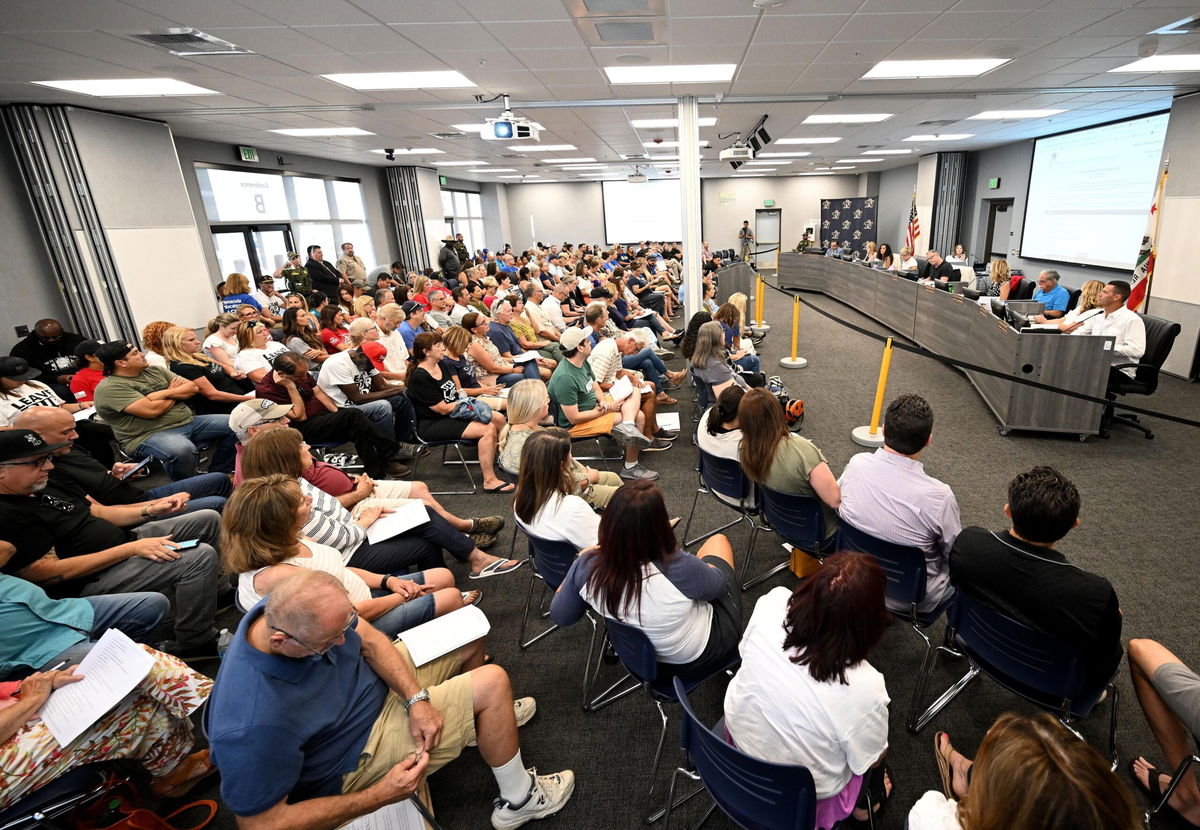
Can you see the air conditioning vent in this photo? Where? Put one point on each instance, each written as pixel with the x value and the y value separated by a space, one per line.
pixel 448 136
pixel 616 6
pixel 636 157
pixel 625 32
pixel 191 42
pixel 940 123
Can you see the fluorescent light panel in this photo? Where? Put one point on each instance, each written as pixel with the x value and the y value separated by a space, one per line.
pixel 787 155
pixel 856 161
pixel 849 118
pixel 748 176
pixel 322 132
pixel 500 170
pixel 418 151
pixel 1163 63
pixel 129 87
pixel 828 140
pixel 890 152
pixel 662 123
pixel 664 144
pixel 701 73
pixel 461 163
pixel 580 160
pixel 441 79
pixel 946 68
pixel 941 137
pixel 519 177
pixel 1005 115
pixel 540 148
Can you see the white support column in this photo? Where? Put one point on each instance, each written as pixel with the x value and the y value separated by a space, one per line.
pixel 689 181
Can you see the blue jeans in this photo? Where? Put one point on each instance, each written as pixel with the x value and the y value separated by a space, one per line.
pixel 529 369
pixel 394 415
pixel 406 615
pixel 750 362
pixel 177 449
pixel 649 364
pixel 135 615
pixel 651 323
pixel 208 491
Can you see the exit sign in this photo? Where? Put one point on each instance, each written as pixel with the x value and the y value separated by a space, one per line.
pixel 442 180
pixel 994 184
pixel 248 154
pixel 768 203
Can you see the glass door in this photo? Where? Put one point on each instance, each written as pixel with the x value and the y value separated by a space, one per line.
pixel 254 250
pixel 271 246
pixel 233 253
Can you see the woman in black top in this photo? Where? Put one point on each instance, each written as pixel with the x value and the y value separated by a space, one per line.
pixel 219 393
pixel 434 390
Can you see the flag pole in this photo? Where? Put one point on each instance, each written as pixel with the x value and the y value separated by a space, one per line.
pixel 1161 196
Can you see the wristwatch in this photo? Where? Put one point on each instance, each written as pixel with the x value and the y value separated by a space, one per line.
pixel 415 699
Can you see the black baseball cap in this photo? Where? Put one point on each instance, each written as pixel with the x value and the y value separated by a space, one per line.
pixel 409 307
pixel 111 352
pixel 86 348
pixel 17 368
pixel 25 443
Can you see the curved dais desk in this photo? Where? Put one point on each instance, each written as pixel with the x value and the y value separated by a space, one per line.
pixel 950 325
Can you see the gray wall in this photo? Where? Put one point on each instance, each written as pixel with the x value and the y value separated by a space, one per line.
pixel 380 219
pixel 496 228
pixel 895 200
pixel 561 212
pixel 31 292
pixel 798 198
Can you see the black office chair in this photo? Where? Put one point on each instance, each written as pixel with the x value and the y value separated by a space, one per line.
pixel 48 806
pixel 1160 337
pixel 1073 298
pixel 1023 291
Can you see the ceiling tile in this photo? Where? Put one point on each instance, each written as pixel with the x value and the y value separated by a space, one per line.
pixel 438 36
pixel 515 10
pixel 557 33
pixel 414 11
pixel 310 12
pixel 972 24
pixel 374 37
pixel 809 28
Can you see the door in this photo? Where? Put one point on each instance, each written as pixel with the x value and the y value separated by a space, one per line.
pixel 253 250
pixel 767 233
pixel 999 230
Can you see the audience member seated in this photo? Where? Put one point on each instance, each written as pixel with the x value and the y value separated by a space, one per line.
pixel 350 380
pixel 730 320
pixel 256 350
pixel 388 354
pixel 218 392
pixel 366 726
pixel 539 320
pixel 937 269
pixel 782 460
pixel 1089 299
pixel 77 474
pixel 60 541
pixel 1169 692
pixel 1053 296
pixel 889 495
pixel 435 392
pixel 1120 323
pixel 1030 774
pixel 689 607
pixel 502 336
pixel 1020 573
pixel 613 357
pixel 528 409
pixel 440 306
pixel 221 343
pixel 414 322
pixel 523 328
pixel 584 410
pixel 89 372
pixel 719 432
pixel 335 337
pixel 146 407
pixel 457 341
pixel 300 336
pixel 805 694
pixel 236 292
pixel 544 506
pixel 552 306
pixel 283 452
pixel 484 360
pixel 263 543
pixel 19 393
pixel 710 362
pixel 49 349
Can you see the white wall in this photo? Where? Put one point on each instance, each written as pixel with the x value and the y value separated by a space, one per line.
pixel 798 198
pixel 429 191
pixel 496 227
pixel 926 187
pixel 556 212
pixel 896 188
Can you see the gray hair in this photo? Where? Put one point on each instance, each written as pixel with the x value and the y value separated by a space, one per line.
pixel 710 342
pixel 1051 275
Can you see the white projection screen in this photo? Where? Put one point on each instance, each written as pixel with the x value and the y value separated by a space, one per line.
pixel 637 212
pixel 1090 193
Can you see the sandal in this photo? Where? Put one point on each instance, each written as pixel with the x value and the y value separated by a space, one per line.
pixel 1153 786
pixel 472 598
pixel 880 775
pixel 503 487
pixel 500 566
pixel 943 763
pixel 187 774
pixel 665 399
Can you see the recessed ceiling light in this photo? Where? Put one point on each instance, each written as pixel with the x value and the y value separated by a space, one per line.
pixel 890 152
pixel 460 163
pixel 748 176
pixel 500 170
pixel 442 79
pixel 585 167
pixel 760 163
pixel 661 123
pixel 518 177
pixel 784 155
pixel 321 132
pixel 941 137
pixel 580 160
pixel 1163 63
pixel 475 128
pixel 418 151
pixel 856 161
pixel 129 87
pixel 952 68
pixel 828 140
pixel 664 144
pixel 701 73
pixel 540 148
pixel 848 118
pixel 841 168
pixel 1004 115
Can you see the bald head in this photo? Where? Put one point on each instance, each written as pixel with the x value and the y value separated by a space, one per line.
pixel 312 605
pixel 48 329
pixel 53 423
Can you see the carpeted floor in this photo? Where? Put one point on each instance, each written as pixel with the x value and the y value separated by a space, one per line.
pixel 1138 498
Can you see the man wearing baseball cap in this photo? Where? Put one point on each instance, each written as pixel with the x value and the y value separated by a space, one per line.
pixel 414 322
pixel 88 377
pixel 295 275
pixel 60 542
pixel 585 411
pixel 146 407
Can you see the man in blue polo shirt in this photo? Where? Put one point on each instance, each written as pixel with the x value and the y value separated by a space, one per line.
pixel 413 324
pixel 318 718
pixel 507 344
pixel 1051 294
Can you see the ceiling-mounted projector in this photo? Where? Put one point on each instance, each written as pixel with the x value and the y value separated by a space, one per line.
pixel 636 178
pixel 508 127
pixel 737 153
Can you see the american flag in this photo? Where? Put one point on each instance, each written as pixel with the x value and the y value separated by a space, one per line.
pixel 914 226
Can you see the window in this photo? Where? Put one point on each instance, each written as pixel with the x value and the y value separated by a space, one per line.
pixel 321 211
pixel 464 214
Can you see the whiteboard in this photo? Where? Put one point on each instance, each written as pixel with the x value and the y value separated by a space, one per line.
pixel 636 212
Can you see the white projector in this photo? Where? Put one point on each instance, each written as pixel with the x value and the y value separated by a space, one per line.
pixel 636 178
pixel 507 128
pixel 737 153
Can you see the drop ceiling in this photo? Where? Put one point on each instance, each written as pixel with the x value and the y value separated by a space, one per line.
pixel 553 52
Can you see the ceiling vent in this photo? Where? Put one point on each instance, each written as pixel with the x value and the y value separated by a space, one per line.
pixel 447 136
pixel 616 6
pixel 191 43
pixel 625 32
pixel 941 123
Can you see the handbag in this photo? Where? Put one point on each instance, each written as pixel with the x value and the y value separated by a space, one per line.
pixel 471 409
pixel 118 809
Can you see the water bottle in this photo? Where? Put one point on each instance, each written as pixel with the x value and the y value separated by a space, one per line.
pixel 223 642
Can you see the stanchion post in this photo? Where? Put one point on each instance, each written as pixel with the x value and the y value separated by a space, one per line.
pixel 794 362
pixel 760 300
pixel 871 435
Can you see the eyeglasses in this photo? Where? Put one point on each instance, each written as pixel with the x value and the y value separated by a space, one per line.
pixel 319 652
pixel 40 461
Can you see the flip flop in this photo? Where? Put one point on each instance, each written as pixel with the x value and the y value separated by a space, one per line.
pixel 1153 786
pixel 496 568
pixel 665 400
pixel 506 487
pixel 472 597
pixel 943 763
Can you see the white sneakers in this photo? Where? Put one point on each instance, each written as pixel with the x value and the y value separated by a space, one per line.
pixel 524 708
pixel 547 795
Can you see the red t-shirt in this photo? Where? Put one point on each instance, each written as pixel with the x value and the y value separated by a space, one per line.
pixel 272 391
pixel 333 338
pixel 84 383
pixel 422 299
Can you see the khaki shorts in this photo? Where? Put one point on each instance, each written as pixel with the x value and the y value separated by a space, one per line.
pixel 597 426
pixel 387 493
pixel 391 740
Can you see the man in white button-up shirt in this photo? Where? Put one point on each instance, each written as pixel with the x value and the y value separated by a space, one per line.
pixel 1118 322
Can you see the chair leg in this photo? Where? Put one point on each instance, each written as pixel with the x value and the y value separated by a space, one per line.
pixel 712 532
pixel 596 702
pixel 521 641
pixel 765 575
pixel 688 525
pixel 673 802
pixel 1113 697
pixel 928 661
pixel 1180 771
pixel 466 468
pixel 662 739
pixel 947 696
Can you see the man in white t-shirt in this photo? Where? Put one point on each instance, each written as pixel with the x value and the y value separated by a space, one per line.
pixel 552 306
pixel 461 307
pixel 1117 321
pixel 273 303
pixel 438 315
pixel 349 379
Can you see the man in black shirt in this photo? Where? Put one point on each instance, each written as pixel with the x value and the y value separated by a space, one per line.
pixel 937 269
pixel 1020 573
pixel 63 542
pixel 51 350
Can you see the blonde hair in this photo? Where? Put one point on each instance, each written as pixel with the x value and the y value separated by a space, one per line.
pixel 739 301
pixel 1089 295
pixel 360 305
pixel 173 351
pixel 258 523
pixel 420 284
pixel 221 320
pixel 456 339
pixel 871 248
pixel 359 328
pixel 390 311
pixel 999 272
pixel 525 400
pixel 245 333
pixel 236 284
